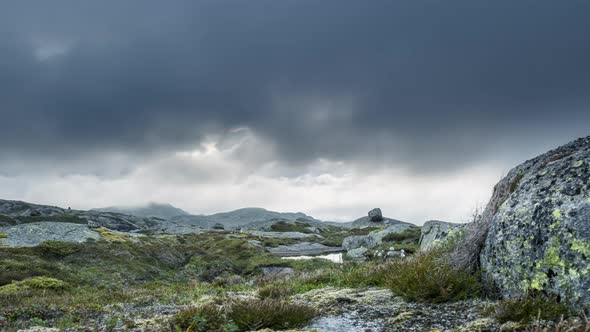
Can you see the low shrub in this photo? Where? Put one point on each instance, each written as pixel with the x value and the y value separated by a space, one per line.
pixel 57 249
pixel 243 315
pixel 275 291
pixel 528 309
pixel 428 277
pixel 24 287
pixel 208 317
pixel 274 314
pixel 111 236
pixel 43 283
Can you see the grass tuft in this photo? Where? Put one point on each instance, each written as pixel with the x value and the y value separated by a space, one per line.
pixel 275 291
pixel 269 313
pixel 528 309
pixel 428 277
pixel 244 315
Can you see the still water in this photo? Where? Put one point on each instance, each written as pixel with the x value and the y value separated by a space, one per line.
pixel 336 258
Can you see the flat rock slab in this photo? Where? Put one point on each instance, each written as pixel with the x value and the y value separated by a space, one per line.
pixel 303 249
pixel 378 310
pixel 281 235
pixel 33 234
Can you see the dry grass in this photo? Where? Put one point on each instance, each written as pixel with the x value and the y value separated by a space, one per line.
pixel 575 325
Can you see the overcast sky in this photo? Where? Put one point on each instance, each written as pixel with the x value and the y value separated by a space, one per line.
pixel 326 107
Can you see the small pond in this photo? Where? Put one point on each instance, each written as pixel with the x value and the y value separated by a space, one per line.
pixel 335 257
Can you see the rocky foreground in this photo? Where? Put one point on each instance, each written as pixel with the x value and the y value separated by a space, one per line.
pixel 521 266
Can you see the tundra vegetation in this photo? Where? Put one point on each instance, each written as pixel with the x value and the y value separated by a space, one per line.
pixel 521 265
pixel 214 283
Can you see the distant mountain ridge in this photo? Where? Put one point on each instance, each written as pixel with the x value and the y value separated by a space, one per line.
pixel 231 219
pixel 158 210
pixel 165 218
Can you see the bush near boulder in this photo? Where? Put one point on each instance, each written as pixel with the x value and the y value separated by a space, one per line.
pixel 530 308
pixel 428 277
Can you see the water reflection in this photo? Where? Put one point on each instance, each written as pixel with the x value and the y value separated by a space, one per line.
pixel 336 258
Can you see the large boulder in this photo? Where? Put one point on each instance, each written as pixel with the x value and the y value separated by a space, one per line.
pixel 435 231
pixel 539 227
pixel 376 215
pixel 374 238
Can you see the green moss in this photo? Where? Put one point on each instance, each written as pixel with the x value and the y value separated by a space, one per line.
pixel 581 247
pixel 108 235
pixel 557 214
pixel 43 283
pixel 3 236
pixel 22 288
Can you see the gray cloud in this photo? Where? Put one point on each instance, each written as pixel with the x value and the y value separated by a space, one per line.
pixel 429 85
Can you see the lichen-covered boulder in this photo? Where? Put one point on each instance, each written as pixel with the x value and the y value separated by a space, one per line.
pixel 435 231
pixel 539 227
pixel 374 238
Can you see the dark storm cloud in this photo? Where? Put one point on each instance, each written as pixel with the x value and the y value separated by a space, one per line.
pixel 425 84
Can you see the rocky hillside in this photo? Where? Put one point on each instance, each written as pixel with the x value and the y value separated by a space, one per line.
pixel 17 217
pixel 157 210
